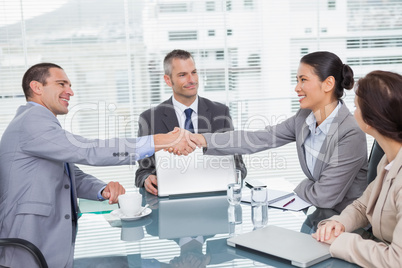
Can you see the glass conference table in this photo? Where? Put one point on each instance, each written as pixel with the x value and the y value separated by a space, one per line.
pixel 182 232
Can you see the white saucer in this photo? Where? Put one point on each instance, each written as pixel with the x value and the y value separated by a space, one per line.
pixel 119 214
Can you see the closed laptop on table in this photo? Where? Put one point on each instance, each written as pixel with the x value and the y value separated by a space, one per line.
pixel 195 173
pixel 300 249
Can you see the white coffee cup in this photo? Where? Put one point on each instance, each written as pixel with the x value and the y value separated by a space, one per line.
pixel 130 203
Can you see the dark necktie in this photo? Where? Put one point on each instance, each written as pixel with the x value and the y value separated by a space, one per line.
pixel 188 124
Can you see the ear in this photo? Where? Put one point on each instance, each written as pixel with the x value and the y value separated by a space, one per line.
pixel 329 83
pixel 368 127
pixel 36 87
pixel 167 80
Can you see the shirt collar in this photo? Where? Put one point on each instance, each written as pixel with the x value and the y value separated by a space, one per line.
pixel 181 107
pixel 326 124
pixel 34 103
pixel 388 167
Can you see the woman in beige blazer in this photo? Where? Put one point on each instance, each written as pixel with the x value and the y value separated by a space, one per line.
pixel 379 113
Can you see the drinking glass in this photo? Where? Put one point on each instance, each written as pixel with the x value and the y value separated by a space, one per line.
pixel 235 214
pixel 234 193
pixel 259 204
pixel 235 219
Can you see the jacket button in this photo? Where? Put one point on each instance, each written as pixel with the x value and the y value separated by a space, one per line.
pixel 66 186
pixel 67 216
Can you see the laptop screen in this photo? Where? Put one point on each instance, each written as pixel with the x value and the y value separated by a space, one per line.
pixel 195 173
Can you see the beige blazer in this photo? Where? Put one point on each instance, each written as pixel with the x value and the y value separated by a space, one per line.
pixel 381 206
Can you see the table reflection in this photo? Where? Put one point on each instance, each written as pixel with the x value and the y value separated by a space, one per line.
pixel 183 232
pixel 189 222
pixel 310 224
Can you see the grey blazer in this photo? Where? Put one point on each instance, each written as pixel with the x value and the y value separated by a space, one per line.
pixel 35 195
pixel 212 117
pixel 340 172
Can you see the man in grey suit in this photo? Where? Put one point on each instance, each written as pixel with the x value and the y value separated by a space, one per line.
pixel 39 182
pixel 204 115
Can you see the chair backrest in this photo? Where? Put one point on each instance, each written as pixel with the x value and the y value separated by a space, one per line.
pixel 375 156
pixel 28 246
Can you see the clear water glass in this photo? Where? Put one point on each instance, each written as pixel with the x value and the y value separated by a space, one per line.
pixel 235 214
pixel 259 205
pixel 235 219
pixel 234 193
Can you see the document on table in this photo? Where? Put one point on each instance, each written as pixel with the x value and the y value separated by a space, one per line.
pixel 292 202
pixel 279 199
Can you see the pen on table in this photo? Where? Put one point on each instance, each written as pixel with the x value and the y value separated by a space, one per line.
pixel 291 201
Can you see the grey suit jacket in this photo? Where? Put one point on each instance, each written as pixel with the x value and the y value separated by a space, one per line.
pixel 212 117
pixel 340 172
pixel 35 190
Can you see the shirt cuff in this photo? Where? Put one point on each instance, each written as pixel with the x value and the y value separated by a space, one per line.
pixel 145 147
pixel 100 197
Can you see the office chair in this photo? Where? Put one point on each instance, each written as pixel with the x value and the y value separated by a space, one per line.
pixel 375 156
pixel 27 246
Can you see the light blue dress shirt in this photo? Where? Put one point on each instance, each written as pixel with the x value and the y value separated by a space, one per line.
pixel 314 141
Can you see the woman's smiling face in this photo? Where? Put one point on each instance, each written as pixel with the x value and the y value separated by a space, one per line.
pixel 309 88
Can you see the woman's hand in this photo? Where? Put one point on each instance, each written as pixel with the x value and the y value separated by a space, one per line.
pixel 328 232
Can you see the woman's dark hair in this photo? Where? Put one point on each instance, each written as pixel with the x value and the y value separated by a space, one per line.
pixel 38 72
pixel 327 64
pixel 380 100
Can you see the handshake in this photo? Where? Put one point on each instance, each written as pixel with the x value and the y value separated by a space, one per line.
pixel 179 141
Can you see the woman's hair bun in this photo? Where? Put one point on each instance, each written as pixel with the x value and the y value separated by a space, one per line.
pixel 347 77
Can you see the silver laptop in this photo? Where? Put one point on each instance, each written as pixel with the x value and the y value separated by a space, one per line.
pixel 195 173
pixel 299 248
pixel 189 217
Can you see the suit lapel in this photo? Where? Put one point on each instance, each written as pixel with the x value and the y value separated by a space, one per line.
pixel 300 139
pixel 169 115
pixel 204 117
pixel 332 134
pixel 380 191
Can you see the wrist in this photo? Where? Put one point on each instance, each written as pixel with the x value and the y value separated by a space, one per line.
pixel 202 140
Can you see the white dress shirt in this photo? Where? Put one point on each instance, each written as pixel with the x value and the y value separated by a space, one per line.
pixel 181 116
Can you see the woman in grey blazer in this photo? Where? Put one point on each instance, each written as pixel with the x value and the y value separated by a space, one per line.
pixel 379 113
pixel 332 149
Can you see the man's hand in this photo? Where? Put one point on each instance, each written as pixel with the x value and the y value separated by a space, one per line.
pixel 112 191
pixel 199 140
pixel 196 139
pixel 151 184
pixel 178 140
pixel 328 232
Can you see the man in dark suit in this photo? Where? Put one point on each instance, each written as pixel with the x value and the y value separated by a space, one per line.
pixel 185 109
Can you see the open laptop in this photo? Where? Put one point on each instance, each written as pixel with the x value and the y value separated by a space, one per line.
pixel 192 174
pixel 189 217
pixel 299 248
